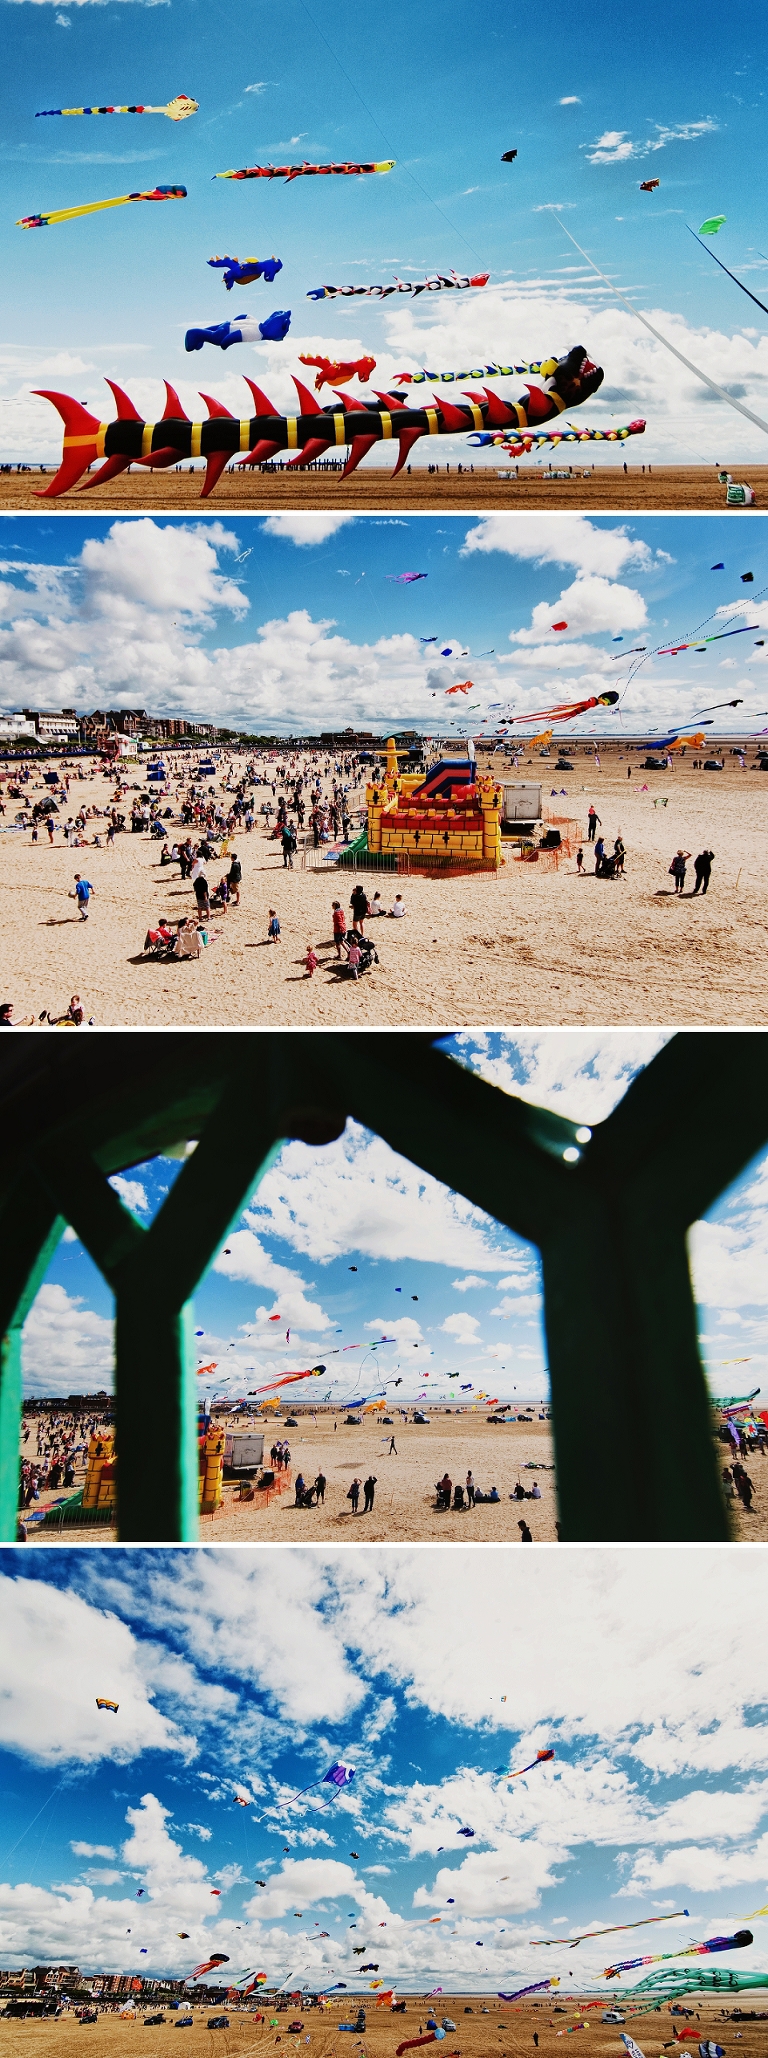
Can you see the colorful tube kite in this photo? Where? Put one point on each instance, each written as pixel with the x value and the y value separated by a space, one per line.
pixel 310 434
pixel 587 1934
pixel 673 649
pixel 439 282
pixel 177 110
pixel 541 1758
pixel 669 1986
pixel 568 712
pixel 70 214
pixel 738 1942
pixel 244 271
pixel 332 373
pixel 304 171
pixel 542 1986
pixel 210 1964
pixel 111 1705
pixel 289 1379
pixel 411 2043
pixel 543 367
pixel 405 578
pixel 273 329
pixel 522 445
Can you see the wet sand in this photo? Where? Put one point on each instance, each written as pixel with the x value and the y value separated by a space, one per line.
pixel 505 2031
pixel 675 488
pixel 528 946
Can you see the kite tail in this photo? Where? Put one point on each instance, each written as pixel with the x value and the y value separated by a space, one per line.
pixel 81 443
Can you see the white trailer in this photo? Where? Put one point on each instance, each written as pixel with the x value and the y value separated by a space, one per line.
pixel 243 1450
pixel 521 807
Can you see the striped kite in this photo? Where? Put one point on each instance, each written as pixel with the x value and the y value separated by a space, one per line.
pixel 541 1987
pixel 738 1942
pixel 587 1934
pixel 111 1705
pixel 437 283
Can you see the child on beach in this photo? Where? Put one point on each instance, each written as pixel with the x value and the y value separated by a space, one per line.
pixel 354 955
pixel 339 926
pixel 579 860
pixel 82 894
pixel 273 927
pixel 311 960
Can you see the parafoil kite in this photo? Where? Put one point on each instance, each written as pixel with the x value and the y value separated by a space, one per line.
pixel 738 1942
pixel 466 1832
pixel 242 1800
pixel 648 185
pixel 244 271
pixel 246 329
pixel 437 282
pixel 339 1774
pixel 710 227
pixel 177 110
pixel 70 214
pixel 405 579
pixel 508 156
pixel 587 1934
pixel 568 712
pixel 331 373
pixel 209 1964
pixel 173 437
pixel 541 1758
pixel 183 1934
pixel 304 171
pixel 541 1987
pixel 111 1705
pixel 559 625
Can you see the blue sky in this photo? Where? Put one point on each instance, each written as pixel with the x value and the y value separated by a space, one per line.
pixel 461 1324
pixel 297 623
pixel 250 1671
pixel 675 99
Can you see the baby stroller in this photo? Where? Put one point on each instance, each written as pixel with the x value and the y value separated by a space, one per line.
pixel 368 954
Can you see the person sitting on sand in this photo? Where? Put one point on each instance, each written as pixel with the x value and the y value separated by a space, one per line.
pixel 398 907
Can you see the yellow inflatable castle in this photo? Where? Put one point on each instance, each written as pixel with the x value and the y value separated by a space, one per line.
pixel 449 817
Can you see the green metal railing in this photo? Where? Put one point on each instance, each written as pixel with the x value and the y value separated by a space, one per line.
pixel 632 1421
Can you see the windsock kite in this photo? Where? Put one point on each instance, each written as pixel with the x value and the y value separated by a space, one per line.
pixel 673 649
pixel 308 435
pixel 436 282
pixel 738 1942
pixel 303 171
pixel 243 271
pixel 568 712
pixel 289 1378
pixel 70 214
pixel 210 1964
pixel 541 1758
pixel 587 1934
pixel 177 110
pixel 541 1987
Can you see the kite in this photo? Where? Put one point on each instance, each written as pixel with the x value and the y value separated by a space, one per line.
pixel 242 1800
pixel 465 1832
pixel 303 171
pixel 177 110
pixel 338 1775
pixel 631 2047
pixel 244 271
pixel 567 712
pixel 540 1988
pixel 670 1985
pixel 508 156
pixel 648 185
pixel 466 687
pixel 542 367
pixel 411 2042
pixel 559 625
pixel 288 1378
pixel 310 434
pixel 246 329
pixel 673 649
pixel 541 1758
pixel 738 1942
pixel 731 275
pixel 207 1368
pixel 587 1934
pixel 70 214
pixel 331 373
pixel 111 1705
pixel 438 282
pixel 183 1934
pixel 522 445
pixel 405 579
pixel 210 1964
pixel 384 2000
pixel 710 227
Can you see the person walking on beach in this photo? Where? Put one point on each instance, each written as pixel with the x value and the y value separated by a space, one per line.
pixel 579 860
pixel 311 960
pixel 393 1451
pixel 82 894
pixel 677 869
pixel 354 955
pixel 339 926
pixel 234 879
pixel 369 1490
pixel 320 1486
pixel 525 1534
pixel 273 927
pixel 359 906
pixel 593 819
pixel 354 1495
pixel 702 866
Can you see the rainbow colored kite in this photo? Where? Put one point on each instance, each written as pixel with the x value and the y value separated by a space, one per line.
pixel 176 110
pixel 304 171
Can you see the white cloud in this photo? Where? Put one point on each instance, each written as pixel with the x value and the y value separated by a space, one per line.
pixel 93 1850
pixel 591 605
pixel 305 529
pixel 463 1327
pixel 131 1192
pixel 582 1075
pixel 48 1705
pixel 404 1329
pixel 66 1347
pixel 561 540
pixel 246 1258
pixel 617 147
pixel 570 100
pixel 464 1285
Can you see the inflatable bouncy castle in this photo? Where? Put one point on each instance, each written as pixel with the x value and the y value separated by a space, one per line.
pixel 447 819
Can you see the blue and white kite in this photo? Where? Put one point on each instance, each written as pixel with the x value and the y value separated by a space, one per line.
pixel 245 329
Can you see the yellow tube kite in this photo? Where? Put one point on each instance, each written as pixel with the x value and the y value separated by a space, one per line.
pixel 70 214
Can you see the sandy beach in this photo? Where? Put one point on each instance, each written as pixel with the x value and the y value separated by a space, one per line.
pixel 675 488
pixel 529 945
pixel 504 2031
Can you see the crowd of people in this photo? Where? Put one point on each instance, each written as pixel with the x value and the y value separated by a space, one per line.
pixel 53 1451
